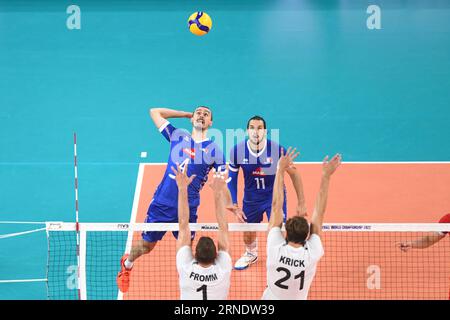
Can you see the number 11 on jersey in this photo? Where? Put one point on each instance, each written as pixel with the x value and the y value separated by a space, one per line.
pixel 260 185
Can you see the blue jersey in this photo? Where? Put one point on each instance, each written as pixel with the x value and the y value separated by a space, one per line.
pixel 259 171
pixel 200 156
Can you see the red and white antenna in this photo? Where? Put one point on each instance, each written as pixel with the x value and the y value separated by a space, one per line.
pixel 76 178
pixel 77 226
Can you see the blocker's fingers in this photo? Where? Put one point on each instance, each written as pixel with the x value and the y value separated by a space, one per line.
pixel 288 151
pixel 292 155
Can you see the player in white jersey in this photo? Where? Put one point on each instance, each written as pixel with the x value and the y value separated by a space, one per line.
pixel 292 260
pixel 206 274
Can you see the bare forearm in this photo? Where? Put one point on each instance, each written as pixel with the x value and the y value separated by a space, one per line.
pixel 221 220
pixel 183 208
pixel 228 198
pixel 276 217
pixel 278 197
pixel 170 113
pixel 426 241
pixel 220 210
pixel 321 202
pixel 298 186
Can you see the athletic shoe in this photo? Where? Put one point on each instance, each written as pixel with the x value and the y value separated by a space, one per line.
pixel 123 278
pixel 245 261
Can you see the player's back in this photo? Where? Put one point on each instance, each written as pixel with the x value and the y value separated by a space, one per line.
pixel 290 270
pixel 199 283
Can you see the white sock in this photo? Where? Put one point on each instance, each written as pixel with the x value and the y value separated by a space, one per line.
pixel 128 264
pixel 252 248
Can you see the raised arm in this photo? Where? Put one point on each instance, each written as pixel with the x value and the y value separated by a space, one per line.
pixel 284 163
pixel 298 186
pixel 328 168
pixel 160 115
pixel 183 181
pixel 219 186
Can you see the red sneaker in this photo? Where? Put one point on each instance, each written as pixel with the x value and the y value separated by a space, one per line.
pixel 123 277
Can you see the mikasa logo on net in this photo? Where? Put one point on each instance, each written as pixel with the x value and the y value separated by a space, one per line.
pixel 206 227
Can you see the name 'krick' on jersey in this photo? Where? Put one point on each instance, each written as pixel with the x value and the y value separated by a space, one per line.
pixel 292 262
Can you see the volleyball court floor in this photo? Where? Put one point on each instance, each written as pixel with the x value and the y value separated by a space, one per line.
pixel 359 193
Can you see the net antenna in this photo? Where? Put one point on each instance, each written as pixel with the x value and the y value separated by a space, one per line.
pixel 81 239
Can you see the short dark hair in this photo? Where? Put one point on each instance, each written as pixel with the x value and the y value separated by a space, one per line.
pixel 297 229
pixel 256 118
pixel 205 251
pixel 205 108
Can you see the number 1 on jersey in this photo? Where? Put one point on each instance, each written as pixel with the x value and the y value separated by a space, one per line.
pixel 203 290
pixel 258 186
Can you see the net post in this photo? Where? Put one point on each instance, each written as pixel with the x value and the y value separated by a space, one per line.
pixel 82 289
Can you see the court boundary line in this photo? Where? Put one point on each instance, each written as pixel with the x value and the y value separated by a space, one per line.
pixel 134 210
pixel 24 280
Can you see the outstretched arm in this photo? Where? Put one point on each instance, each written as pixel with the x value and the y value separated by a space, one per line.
pixel 160 115
pixel 421 243
pixel 220 190
pixel 328 168
pixel 298 186
pixel 284 163
pixel 183 181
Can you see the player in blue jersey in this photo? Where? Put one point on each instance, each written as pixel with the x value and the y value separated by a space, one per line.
pixel 258 156
pixel 194 149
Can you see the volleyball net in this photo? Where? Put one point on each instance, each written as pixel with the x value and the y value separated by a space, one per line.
pixel 361 261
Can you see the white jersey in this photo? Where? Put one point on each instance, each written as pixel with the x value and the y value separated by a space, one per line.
pixel 199 283
pixel 290 271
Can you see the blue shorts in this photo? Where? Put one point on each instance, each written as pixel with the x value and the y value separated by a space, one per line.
pixel 255 211
pixel 158 213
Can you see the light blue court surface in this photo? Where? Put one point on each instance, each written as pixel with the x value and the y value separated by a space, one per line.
pixel 312 68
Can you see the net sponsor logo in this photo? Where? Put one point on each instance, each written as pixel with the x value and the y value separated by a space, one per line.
pixel 123 226
pixel 206 227
pixel 55 225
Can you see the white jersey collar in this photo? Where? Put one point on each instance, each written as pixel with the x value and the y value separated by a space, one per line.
pixel 260 152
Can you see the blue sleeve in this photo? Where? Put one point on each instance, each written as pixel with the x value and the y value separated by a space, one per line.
pixel 233 174
pixel 232 185
pixel 166 130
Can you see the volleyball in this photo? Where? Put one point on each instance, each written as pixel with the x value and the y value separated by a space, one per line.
pixel 199 23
